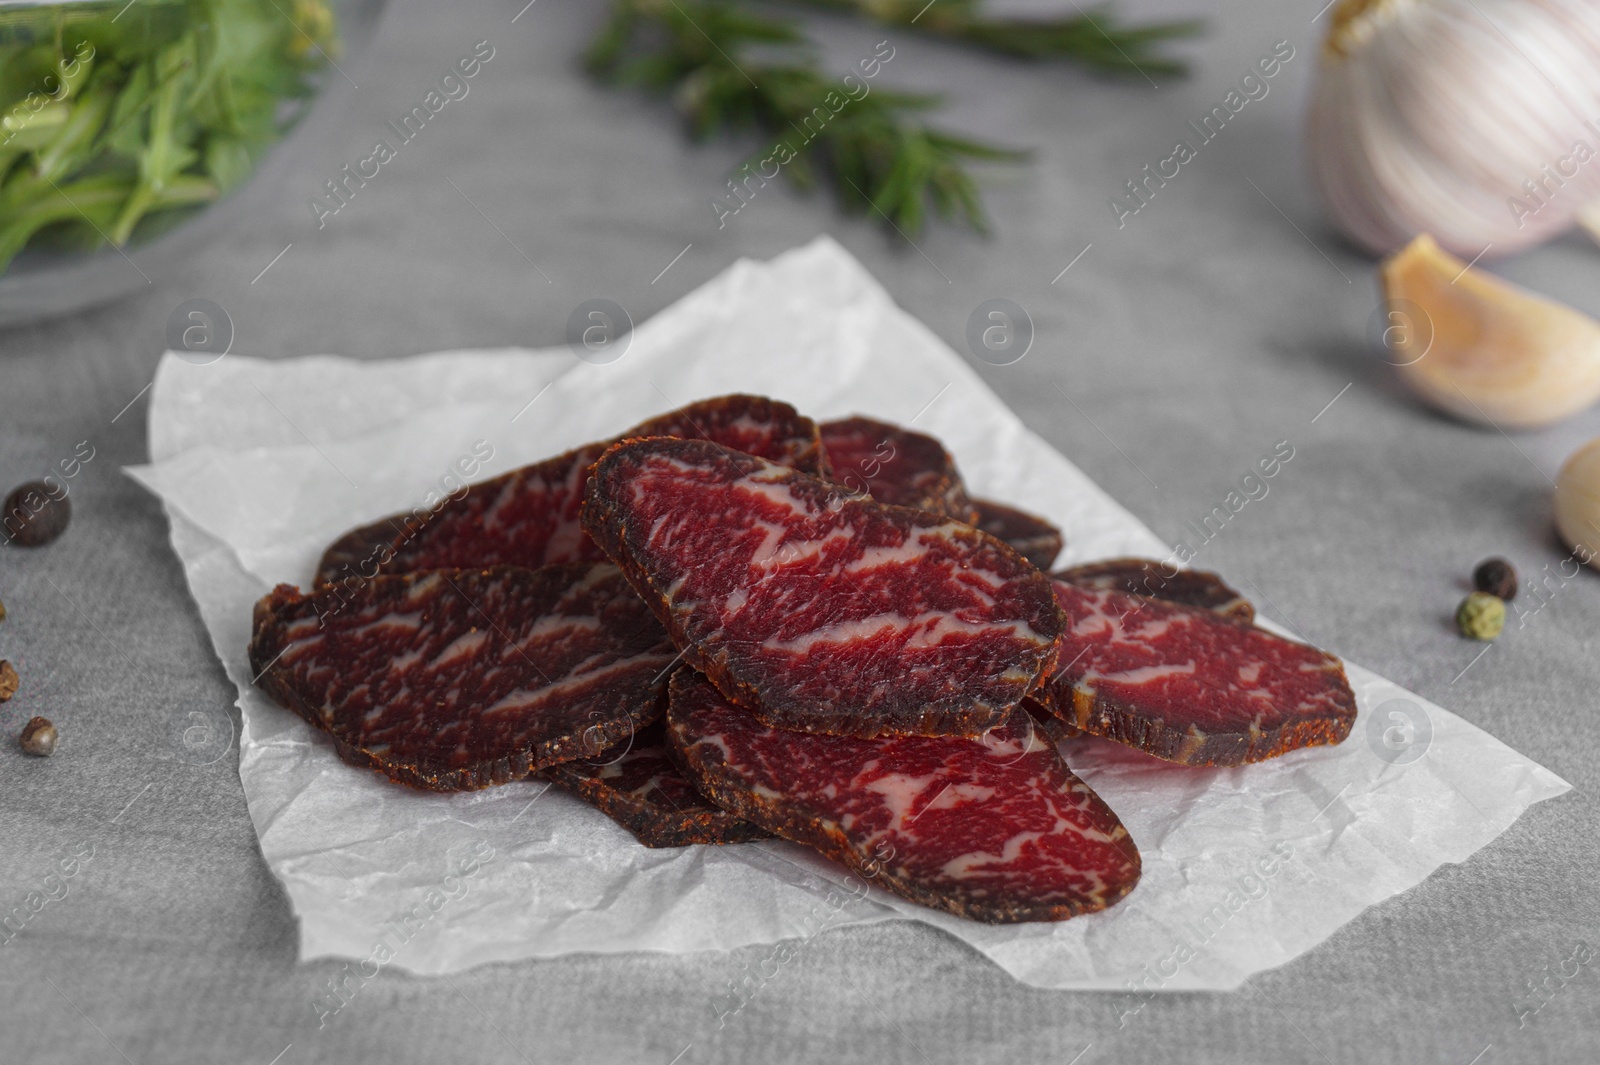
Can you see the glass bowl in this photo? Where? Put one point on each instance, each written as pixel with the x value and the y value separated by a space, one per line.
pixel 133 133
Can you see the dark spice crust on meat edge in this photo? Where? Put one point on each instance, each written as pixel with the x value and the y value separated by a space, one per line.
pixel 364 544
pixel 945 493
pixel 782 819
pixel 655 827
pixel 608 528
pixel 1144 577
pixel 1034 538
pixel 417 773
pixel 1109 718
pixel 813 459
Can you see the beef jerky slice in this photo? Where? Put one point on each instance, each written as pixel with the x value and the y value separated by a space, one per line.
pixel 529 517
pixel 638 786
pixel 895 466
pixel 818 611
pixel 1048 723
pixel 1151 579
pixel 1034 538
pixel 457 680
pixel 1189 685
pixel 755 425
pixel 1141 576
pixel 995 829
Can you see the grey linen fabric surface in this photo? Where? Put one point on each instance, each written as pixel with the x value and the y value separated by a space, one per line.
pixel 1220 319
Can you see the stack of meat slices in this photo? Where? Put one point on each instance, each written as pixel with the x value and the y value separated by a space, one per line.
pixel 731 622
pixel 491 639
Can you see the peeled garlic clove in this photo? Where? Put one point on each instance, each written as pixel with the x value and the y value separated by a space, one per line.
pixel 1484 349
pixel 1578 503
pixel 1473 120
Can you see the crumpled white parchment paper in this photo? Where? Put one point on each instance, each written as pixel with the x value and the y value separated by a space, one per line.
pixel 261 463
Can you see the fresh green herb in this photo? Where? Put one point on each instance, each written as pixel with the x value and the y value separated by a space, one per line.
pixel 1092 38
pixel 731 69
pixel 114 118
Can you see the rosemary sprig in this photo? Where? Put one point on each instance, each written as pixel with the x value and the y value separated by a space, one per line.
pixel 1091 37
pixel 716 60
pixel 731 69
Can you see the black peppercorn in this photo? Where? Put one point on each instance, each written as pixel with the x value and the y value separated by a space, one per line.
pixel 1495 576
pixel 8 680
pixel 38 737
pixel 34 514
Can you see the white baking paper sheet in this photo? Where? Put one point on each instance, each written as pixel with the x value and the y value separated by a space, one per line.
pixel 262 463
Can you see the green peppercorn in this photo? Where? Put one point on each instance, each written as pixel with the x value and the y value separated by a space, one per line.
pixel 1495 576
pixel 1481 616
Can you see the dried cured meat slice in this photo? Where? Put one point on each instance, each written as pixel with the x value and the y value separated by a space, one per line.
pixel 995 829
pixel 1189 685
pixel 904 468
pixel 529 517
pixel 895 466
pixel 457 680
pixel 1141 576
pixel 1034 538
pixel 817 611
pixel 756 425
pixel 638 786
pixel 1150 578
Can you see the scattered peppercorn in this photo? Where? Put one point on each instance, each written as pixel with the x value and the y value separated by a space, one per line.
pixel 1481 616
pixel 1495 576
pixel 8 680
pixel 2 610
pixel 34 515
pixel 39 737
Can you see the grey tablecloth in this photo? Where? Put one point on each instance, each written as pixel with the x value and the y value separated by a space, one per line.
pixel 1222 318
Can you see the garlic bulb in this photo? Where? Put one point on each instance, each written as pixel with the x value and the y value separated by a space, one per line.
pixel 1477 121
pixel 1482 348
pixel 1578 503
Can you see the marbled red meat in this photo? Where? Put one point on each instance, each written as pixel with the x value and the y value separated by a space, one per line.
pixel 638 786
pixel 1034 538
pixel 755 425
pixel 816 610
pixel 1157 580
pixel 452 680
pixel 895 466
pixel 995 829
pixel 529 517
pixel 1190 685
